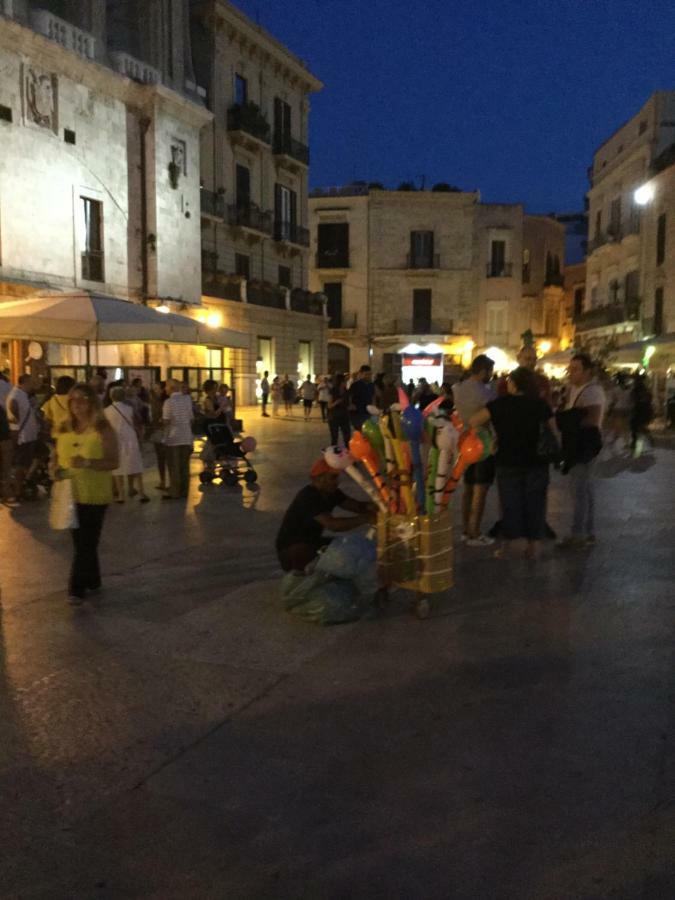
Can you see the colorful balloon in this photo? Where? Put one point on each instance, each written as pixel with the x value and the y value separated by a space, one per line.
pixel 412 425
pixel 374 436
pixel 433 406
pixel 361 450
pixel 403 399
pixel 338 457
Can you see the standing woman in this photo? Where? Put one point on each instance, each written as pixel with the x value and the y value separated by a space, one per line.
pixel 86 452
pixel 338 411
pixel 522 474
pixel 288 393
pixel 276 395
pixel 324 397
pixel 120 414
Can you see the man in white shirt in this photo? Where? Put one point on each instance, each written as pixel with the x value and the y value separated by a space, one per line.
pixel 584 393
pixel 24 427
pixel 177 415
pixel 470 395
pixel 308 394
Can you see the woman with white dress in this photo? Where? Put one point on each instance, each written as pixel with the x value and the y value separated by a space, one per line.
pixel 121 418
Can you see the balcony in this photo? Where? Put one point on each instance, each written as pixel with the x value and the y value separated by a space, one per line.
pixel 250 217
pixel 70 37
pixel 345 321
pixel 212 204
pixel 604 316
pixel 328 259
pixel 499 270
pixel 133 68
pixel 221 285
pixel 417 326
pixel 290 233
pixel 306 302
pixel 418 261
pixel 263 293
pixel 554 279
pixel 497 339
pixel 291 151
pixel 249 125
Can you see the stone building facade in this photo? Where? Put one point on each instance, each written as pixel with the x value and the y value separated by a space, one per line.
pixel 254 214
pixel 431 268
pixel 623 300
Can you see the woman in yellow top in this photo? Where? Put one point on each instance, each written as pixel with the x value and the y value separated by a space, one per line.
pixel 55 410
pixel 86 452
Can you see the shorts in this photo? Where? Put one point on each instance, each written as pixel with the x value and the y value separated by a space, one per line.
pixel 482 472
pixel 24 454
pixel 307 404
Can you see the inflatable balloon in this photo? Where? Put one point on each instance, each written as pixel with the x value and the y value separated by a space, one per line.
pixel 371 430
pixel 486 436
pixel 432 475
pixel 446 441
pixel 433 406
pixel 470 452
pixel 361 450
pixel 248 444
pixel 373 411
pixel 337 458
pixel 412 425
pixel 456 420
pixel 403 399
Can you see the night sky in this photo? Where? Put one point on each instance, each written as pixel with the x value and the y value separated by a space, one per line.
pixel 507 96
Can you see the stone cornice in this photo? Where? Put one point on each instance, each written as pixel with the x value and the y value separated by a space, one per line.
pixel 49 55
pixel 253 39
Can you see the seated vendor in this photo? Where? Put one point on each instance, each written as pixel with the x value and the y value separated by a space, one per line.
pixel 301 537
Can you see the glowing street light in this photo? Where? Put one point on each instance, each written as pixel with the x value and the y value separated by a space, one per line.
pixel 163 308
pixel 545 346
pixel 644 194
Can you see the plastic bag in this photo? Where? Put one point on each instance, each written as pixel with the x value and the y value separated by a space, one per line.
pixel 62 509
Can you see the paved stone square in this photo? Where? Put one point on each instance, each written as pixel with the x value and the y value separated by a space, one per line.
pixel 183 737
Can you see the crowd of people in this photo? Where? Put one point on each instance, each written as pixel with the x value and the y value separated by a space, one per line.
pixel 94 433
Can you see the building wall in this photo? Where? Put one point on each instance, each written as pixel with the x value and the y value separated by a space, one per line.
pixel 42 177
pixel 659 276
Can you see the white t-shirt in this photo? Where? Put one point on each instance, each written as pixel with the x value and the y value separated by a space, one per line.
pixel 469 396
pixel 27 422
pixel 308 391
pixel 177 413
pixel 589 394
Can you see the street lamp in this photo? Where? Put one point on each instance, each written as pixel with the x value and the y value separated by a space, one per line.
pixel 644 194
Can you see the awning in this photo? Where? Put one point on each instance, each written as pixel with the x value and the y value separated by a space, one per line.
pixel 74 318
pixel 635 352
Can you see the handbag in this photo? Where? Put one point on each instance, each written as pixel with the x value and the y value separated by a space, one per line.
pixel 548 448
pixel 62 509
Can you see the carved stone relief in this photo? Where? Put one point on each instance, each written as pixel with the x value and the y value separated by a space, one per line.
pixel 40 95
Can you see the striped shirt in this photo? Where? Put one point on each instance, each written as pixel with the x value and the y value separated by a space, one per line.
pixel 177 414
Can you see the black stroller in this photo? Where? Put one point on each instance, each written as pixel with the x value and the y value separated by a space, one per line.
pixel 225 458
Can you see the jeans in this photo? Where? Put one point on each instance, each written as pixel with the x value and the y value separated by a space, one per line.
pixel 336 425
pixel 582 489
pixel 85 573
pixel 178 464
pixel 522 493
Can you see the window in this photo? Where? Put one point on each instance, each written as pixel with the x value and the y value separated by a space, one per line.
pixel 579 294
pixel 421 250
pixel 497 328
pixel 333 245
pixel 282 125
pixel 305 366
pixel 240 90
pixel 242 265
pixel 285 276
pixel 598 224
pixel 421 323
pixel 658 311
pixel 661 239
pixel 5 114
pixel 526 266
pixel 614 290
pixel 92 239
pixel 594 296
pixel 497 267
pixel 285 213
pixel 643 126
pixel 333 290
pixel 615 217
pixel 243 175
pixel 69 136
pixel 632 286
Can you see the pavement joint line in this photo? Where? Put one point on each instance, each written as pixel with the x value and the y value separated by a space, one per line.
pixel 211 731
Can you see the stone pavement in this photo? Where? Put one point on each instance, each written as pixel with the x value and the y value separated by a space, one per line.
pixel 184 738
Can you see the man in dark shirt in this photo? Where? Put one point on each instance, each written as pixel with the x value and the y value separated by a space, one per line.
pixel 300 536
pixel 361 396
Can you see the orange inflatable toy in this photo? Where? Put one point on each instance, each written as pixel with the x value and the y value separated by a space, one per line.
pixel 362 450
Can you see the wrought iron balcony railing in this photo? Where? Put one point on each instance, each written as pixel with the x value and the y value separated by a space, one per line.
pixel 250 216
pixel 249 119
pixel 423 261
pixel 288 146
pixel 499 270
pixel 292 233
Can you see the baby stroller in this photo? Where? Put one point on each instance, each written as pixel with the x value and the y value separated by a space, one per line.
pixel 225 458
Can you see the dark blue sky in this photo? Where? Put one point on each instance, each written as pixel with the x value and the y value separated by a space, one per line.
pixel 507 96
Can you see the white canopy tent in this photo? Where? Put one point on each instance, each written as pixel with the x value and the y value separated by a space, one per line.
pixel 94 318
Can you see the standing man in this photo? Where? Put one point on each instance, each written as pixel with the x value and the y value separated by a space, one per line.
pixel 583 417
pixel 361 396
pixel 265 393
pixel 471 395
pixel 24 428
pixel 308 394
pixel 177 415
